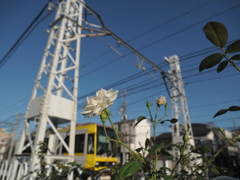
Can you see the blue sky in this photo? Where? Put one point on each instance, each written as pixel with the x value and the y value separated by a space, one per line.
pixel 155 28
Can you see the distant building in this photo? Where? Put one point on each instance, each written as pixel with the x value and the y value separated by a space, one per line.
pixel 134 137
pixel 210 136
pixel 5 139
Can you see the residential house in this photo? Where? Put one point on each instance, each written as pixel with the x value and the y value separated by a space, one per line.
pixel 205 134
pixel 134 137
pixel 5 139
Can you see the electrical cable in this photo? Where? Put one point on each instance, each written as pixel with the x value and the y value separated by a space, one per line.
pixel 21 38
pixel 159 40
pixel 170 21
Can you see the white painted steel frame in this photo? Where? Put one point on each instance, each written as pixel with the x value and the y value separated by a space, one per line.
pixel 58 77
pixel 179 105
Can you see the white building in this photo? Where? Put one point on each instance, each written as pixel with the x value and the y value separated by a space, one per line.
pixel 5 139
pixel 134 137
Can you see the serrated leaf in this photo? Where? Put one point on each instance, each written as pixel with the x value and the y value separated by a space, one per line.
pixel 236 57
pixel 165 177
pixel 147 143
pixel 129 168
pixel 214 170
pixel 234 108
pixel 200 177
pixel 234 47
pixel 216 33
pixel 155 147
pixel 166 153
pixel 139 119
pixel 139 149
pixel 210 61
pixel 222 66
pixel 204 149
pixel 173 120
pixel 222 111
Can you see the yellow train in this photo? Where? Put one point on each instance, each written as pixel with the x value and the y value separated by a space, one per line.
pixel 92 149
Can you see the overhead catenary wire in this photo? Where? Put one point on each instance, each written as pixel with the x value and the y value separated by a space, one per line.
pixel 23 36
pixel 164 38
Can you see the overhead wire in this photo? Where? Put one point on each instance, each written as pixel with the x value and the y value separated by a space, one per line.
pixel 154 28
pixel 188 27
pixel 170 21
pixel 23 36
pixel 159 40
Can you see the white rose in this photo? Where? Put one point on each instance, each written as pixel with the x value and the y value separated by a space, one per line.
pixel 161 100
pixel 95 105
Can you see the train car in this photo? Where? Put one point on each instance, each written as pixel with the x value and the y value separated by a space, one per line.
pixel 92 149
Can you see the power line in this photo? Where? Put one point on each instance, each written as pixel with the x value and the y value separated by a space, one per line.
pixel 189 27
pixel 23 37
pixel 159 40
pixel 170 21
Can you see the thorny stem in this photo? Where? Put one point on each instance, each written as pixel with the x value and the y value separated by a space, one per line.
pixel 119 140
pixel 229 59
pixel 154 136
pixel 179 160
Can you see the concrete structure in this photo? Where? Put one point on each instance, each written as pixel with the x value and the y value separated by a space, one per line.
pixel 5 139
pixel 134 137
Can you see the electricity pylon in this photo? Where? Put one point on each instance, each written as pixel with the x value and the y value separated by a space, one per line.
pixel 54 96
pixel 179 105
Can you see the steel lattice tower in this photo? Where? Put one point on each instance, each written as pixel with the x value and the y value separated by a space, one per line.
pixel 179 104
pixel 54 96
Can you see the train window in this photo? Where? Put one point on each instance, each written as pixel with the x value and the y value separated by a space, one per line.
pixel 90 149
pixel 105 146
pixel 79 143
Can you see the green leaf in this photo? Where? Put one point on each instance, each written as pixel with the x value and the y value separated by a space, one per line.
pixel 216 33
pixel 222 66
pixel 165 177
pixel 236 57
pixel 200 177
pixel 214 170
pixel 139 119
pixel 166 153
pixel 173 120
pixel 210 61
pixel 234 47
pixel 155 147
pixel 222 111
pixel 147 143
pixel 129 168
pixel 234 108
pixel 204 149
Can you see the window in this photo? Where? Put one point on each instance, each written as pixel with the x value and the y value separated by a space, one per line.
pixel 90 149
pixel 79 143
pixel 105 146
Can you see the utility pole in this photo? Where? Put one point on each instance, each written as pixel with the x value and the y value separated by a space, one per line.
pixel 123 125
pixel 179 105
